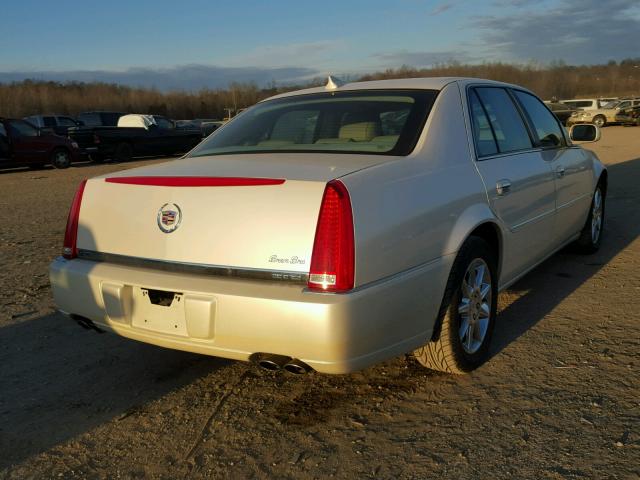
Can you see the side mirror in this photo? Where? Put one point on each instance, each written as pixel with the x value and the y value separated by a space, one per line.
pixel 584 132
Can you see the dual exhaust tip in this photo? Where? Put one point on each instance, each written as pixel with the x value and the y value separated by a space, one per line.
pixel 274 362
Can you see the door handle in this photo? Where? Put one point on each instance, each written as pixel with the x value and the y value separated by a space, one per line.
pixel 560 171
pixel 503 187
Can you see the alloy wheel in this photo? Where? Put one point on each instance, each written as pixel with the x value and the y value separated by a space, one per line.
pixel 596 216
pixel 475 305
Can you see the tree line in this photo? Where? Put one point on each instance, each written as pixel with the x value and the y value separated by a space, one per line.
pixel 557 80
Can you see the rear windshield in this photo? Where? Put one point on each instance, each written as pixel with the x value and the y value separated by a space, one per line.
pixel 374 122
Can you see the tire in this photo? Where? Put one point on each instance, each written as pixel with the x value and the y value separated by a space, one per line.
pixel 123 152
pixel 60 158
pixel 591 235
pixel 599 121
pixel 453 352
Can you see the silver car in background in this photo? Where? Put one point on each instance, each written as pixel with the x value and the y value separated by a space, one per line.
pixel 336 227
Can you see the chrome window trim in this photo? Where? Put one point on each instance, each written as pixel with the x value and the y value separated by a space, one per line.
pixel 195 268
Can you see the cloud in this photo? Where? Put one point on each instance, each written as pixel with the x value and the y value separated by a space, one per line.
pixel 185 77
pixel 576 31
pixel 440 9
pixel 420 59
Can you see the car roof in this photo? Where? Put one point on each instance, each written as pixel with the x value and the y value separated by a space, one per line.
pixel 427 83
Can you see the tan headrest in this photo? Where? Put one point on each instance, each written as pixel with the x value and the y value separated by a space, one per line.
pixel 360 132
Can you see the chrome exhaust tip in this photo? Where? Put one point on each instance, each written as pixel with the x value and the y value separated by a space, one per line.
pixel 297 367
pixel 272 362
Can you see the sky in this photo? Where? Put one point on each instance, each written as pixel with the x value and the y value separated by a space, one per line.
pixel 191 44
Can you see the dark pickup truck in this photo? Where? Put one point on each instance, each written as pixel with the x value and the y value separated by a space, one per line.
pixel 135 136
pixel 22 144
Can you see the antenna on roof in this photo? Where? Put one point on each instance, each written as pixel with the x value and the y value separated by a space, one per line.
pixel 333 83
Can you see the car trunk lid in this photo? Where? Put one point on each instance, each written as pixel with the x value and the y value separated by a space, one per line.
pixel 239 212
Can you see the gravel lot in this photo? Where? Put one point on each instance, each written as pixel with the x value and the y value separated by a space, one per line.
pixel 560 397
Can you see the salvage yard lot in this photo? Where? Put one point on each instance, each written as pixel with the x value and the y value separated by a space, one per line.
pixel 560 397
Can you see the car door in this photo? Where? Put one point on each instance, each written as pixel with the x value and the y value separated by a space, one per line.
pixel 570 164
pixel 27 145
pixel 518 180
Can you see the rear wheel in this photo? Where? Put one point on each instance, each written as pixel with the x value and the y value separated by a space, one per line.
pixel 467 314
pixel 124 152
pixel 60 158
pixel 599 121
pixel 591 235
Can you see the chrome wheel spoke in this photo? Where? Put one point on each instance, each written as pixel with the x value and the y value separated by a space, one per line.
pixel 484 310
pixel 464 328
pixel 469 342
pixel 463 308
pixel 479 275
pixel 485 290
pixel 466 289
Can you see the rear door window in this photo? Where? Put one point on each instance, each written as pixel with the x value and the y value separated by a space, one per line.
pixel 20 128
pixel 544 123
pixel 506 122
pixel 49 121
pixel 483 134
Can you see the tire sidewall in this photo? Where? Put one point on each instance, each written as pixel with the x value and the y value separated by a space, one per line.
pixel 473 248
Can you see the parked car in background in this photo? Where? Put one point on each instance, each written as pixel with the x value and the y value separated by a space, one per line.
pixel 602 116
pixel 336 227
pixel 605 101
pixel 206 126
pixel 629 116
pixel 22 144
pixel 584 103
pixel 99 119
pixel 134 136
pixel 560 110
pixel 58 124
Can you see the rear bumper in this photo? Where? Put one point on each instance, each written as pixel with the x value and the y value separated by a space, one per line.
pixel 232 318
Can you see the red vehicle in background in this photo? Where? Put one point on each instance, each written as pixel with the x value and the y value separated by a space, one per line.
pixel 22 144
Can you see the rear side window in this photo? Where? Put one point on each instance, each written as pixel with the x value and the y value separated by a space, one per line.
pixel 506 122
pixel 22 129
pixel 544 123
pixel 485 141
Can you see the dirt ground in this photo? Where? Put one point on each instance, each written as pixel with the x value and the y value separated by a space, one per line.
pixel 560 397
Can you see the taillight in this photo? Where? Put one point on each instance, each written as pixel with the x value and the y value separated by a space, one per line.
pixel 96 138
pixel 333 257
pixel 70 249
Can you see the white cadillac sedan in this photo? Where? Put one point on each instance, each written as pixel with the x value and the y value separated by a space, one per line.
pixel 336 227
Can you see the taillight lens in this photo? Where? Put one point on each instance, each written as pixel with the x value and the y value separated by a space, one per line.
pixel 333 257
pixel 70 249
